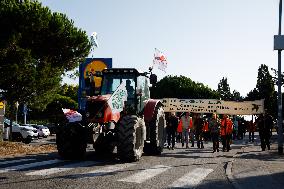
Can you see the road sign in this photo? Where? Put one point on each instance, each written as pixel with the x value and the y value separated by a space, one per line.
pixel 2 105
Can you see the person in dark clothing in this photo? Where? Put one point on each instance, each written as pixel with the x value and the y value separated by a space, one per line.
pixel 214 127
pixel 251 129
pixel 264 124
pixel 172 124
pixel 241 129
pixel 198 130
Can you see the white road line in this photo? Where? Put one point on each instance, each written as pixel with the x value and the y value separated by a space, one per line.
pixel 50 171
pixel 146 174
pixel 30 165
pixel 14 161
pixel 192 179
pixel 104 171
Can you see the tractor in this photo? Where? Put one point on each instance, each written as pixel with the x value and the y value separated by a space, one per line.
pixel 138 128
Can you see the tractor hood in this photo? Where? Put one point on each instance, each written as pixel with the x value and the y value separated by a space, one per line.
pixel 99 98
pixel 98 110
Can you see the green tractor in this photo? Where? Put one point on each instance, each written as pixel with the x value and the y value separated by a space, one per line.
pixel 139 127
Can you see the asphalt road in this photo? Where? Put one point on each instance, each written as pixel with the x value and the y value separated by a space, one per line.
pixel 179 168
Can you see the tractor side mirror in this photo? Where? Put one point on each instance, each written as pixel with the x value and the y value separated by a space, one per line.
pixel 153 79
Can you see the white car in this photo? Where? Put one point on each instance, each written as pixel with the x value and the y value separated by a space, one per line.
pixel 22 133
pixel 42 130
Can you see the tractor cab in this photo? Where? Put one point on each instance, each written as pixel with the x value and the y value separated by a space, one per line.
pixel 136 85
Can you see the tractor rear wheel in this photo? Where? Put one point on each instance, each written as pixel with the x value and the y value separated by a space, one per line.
pixel 71 141
pixel 156 129
pixel 131 135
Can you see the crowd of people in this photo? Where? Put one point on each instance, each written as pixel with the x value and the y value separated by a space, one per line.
pixel 190 128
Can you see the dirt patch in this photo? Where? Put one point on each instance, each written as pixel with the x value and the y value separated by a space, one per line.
pixel 17 148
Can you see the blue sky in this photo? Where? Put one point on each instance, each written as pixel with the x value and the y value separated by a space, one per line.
pixel 202 39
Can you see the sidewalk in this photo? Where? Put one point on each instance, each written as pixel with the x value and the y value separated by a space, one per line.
pixel 252 168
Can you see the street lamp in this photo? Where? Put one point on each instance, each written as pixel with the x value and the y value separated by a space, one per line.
pixel 279 45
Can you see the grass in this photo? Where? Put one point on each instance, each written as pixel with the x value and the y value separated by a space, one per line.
pixel 17 148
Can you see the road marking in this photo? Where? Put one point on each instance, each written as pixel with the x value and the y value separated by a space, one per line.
pixel 14 161
pixel 104 171
pixel 30 165
pixel 192 179
pixel 50 171
pixel 146 174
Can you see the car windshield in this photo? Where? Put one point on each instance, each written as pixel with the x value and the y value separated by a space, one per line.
pixel 112 81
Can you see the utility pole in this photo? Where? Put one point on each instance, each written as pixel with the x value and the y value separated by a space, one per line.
pixel 279 45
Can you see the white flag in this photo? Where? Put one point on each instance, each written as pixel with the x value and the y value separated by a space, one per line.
pixel 94 40
pixel 160 60
pixel 116 101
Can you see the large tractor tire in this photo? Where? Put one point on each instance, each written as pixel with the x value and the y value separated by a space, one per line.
pixel 131 136
pixel 71 140
pixel 156 129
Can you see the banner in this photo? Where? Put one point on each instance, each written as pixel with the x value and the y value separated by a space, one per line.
pixel 117 99
pixel 213 106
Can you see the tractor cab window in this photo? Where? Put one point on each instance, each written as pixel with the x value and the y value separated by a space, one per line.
pixel 112 81
pixel 142 91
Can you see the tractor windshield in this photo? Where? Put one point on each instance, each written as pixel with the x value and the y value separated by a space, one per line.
pixel 111 81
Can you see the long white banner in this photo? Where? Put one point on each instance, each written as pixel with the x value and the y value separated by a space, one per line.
pixel 213 106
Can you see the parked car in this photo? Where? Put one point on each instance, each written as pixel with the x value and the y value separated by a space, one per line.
pixel 42 130
pixel 52 128
pixel 21 133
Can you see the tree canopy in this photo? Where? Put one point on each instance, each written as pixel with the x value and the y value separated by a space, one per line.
pixel 36 48
pixel 224 89
pixel 265 87
pixel 182 87
pixel 265 90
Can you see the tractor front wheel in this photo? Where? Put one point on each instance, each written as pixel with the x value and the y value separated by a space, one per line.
pixel 131 136
pixel 71 141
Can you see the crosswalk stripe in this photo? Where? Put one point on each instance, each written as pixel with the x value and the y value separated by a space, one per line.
pixel 29 165
pixel 192 179
pixel 104 171
pixel 146 174
pixel 15 161
pixel 50 171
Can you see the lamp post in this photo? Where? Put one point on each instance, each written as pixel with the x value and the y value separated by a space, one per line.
pixel 280 135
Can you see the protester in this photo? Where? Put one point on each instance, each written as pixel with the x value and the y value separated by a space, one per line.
pixel 192 131
pixel 251 130
pixel 184 125
pixel 214 127
pixel 241 129
pixel 172 124
pixel 205 130
pixel 198 125
pixel 236 128
pixel 226 132
pixel 264 124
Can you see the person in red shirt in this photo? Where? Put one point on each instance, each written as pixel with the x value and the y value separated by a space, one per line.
pixel 226 132
pixel 206 134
